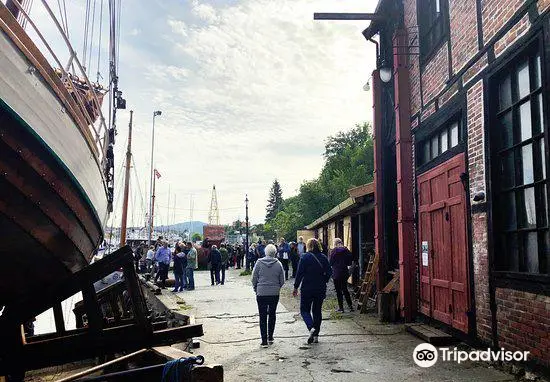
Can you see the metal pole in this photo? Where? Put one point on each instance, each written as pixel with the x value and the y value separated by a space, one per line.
pixel 150 230
pixel 246 241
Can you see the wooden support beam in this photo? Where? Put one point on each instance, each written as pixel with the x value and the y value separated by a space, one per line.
pixel 42 300
pixel 91 304
pixel 136 296
pixel 58 317
pixel 347 16
pixel 91 344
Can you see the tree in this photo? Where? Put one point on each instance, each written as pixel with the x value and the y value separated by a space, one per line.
pixel 349 162
pixel 196 237
pixel 275 201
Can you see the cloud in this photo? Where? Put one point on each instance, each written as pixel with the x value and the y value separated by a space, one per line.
pixel 249 91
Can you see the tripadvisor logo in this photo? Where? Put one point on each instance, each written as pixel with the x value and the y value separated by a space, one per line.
pixel 426 355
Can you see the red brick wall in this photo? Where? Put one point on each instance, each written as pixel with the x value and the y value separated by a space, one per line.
pixel 495 14
pixel 435 74
pixel 464 38
pixel 512 35
pixel 524 322
pixel 414 62
pixel 476 169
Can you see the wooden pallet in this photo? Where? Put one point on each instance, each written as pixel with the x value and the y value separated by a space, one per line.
pixel 366 292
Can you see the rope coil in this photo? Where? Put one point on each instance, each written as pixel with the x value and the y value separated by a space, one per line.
pixel 176 369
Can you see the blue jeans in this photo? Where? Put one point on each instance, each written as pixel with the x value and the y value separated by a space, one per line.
pixel 267 307
pixel 180 281
pixel 310 309
pixel 190 278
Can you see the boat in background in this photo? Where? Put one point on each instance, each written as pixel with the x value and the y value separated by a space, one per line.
pixel 56 155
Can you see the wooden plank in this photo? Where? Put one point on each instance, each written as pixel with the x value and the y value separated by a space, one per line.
pixel 430 334
pixel 42 300
pixel 90 344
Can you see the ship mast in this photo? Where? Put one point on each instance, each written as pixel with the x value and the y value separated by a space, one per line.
pixel 124 222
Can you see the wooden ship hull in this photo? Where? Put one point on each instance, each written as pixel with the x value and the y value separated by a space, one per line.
pixel 53 197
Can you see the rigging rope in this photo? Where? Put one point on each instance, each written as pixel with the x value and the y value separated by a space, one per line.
pixel 86 22
pixel 88 67
pixel 143 206
pixel 100 34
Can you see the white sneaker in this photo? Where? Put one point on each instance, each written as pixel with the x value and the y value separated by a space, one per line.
pixel 311 335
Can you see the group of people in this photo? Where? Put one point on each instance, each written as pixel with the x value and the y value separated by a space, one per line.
pixel 313 272
pixel 289 254
pixel 185 263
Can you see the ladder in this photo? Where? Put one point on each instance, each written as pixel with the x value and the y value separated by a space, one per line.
pixel 369 281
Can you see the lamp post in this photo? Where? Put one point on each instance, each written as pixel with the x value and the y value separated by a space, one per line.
pixel 150 231
pixel 246 240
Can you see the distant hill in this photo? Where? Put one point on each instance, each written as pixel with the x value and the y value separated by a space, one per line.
pixel 195 225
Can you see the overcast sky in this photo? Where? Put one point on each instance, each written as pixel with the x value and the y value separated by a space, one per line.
pixel 248 89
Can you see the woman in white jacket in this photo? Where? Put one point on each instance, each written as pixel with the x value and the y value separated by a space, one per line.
pixel 267 279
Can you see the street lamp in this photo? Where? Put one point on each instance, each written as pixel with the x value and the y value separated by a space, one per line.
pixel 246 241
pixel 150 231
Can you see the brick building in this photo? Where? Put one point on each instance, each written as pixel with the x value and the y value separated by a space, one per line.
pixel 461 121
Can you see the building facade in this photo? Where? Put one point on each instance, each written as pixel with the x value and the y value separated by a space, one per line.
pixel 461 121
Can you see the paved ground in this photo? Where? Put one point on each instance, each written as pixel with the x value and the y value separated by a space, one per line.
pixel 352 347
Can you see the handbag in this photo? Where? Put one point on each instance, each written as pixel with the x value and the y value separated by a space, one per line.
pixel 285 255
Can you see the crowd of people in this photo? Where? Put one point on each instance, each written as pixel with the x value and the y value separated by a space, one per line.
pixel 312 269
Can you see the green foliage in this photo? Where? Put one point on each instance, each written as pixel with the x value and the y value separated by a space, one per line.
pixel 245 272
pixel 349 162
pixel 196 237
pixel 275 201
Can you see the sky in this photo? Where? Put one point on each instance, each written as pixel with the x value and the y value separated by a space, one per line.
pixel 249 90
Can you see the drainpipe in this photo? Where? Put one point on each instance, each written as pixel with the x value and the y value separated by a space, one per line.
pixel 377 44
pixel 403 149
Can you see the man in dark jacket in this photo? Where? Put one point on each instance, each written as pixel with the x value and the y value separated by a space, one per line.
pixel 313 274
pixel 340 259
pixel 284 255
pixel 215 260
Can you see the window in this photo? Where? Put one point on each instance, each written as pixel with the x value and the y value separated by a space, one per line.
pixel 432 25
pixel 440 142
pixel 518 165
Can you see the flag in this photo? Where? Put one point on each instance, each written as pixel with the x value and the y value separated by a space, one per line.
pixel 157 174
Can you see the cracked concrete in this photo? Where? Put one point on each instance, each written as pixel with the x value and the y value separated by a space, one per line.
pixel 352 347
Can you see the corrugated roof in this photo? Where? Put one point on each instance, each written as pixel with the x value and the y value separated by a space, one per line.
pixel 351 202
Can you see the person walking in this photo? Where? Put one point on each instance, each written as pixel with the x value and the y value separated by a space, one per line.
pixel 215 259
pixel 294 258
pixel 267 280
pixel 260 250
pixel 163 259
pixel 251 256
pixel 191 265
pixel 314 272
pixel 340 259
pixel 179 269
pixel 301 246
pixel 225 259
pixel 284 255
pixel 149 258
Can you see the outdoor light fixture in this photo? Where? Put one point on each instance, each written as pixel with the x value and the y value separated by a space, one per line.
pixel 385 74
pixel 366 87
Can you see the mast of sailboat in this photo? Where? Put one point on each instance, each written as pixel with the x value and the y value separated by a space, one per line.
pixel 155 175
pixel 168 215
pixel 124 223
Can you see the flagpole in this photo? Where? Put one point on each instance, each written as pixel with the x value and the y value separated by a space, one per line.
pixel 152 206
pixel 152 178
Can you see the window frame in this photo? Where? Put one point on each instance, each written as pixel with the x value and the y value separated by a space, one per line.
pixel 428 51
pixel 431 128
pixel 502 271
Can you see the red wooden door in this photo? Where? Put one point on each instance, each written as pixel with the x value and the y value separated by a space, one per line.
pixel 444 278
